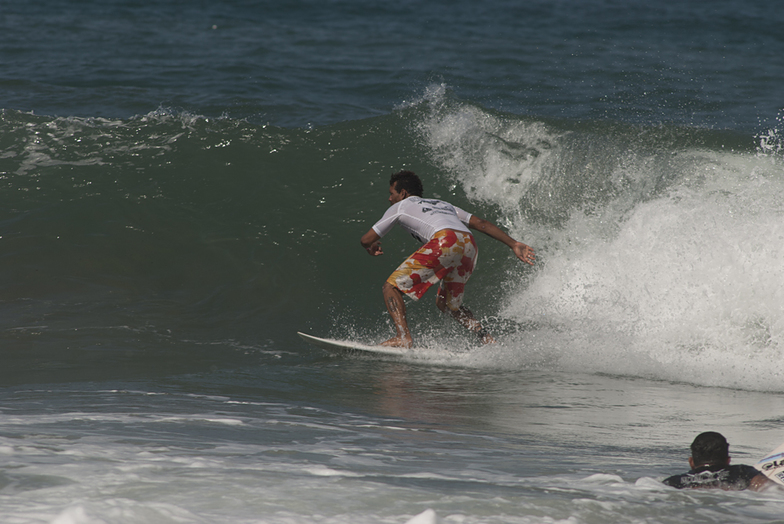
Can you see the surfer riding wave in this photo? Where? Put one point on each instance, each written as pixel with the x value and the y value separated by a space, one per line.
pixel 448 256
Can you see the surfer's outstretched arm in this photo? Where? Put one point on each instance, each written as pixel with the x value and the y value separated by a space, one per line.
pixel 522 251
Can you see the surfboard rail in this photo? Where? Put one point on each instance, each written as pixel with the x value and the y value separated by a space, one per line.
pixel 349 346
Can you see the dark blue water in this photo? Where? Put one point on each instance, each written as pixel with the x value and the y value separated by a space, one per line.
pixel 301 63
pixel 183 186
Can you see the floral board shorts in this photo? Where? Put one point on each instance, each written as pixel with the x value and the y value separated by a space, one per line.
pixel 449 257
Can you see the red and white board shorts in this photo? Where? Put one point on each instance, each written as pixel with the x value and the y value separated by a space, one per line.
pixel 449 257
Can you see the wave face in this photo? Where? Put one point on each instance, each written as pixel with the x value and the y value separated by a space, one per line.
pixel 659 247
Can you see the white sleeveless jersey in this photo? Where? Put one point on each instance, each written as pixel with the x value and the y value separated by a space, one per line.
pixel 423 218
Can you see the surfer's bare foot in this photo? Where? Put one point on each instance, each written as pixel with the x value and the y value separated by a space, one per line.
pixel 397 342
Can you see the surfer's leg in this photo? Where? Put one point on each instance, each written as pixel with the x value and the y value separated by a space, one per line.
pixel 393 299
pixel 450 293
pixel 413 278
pixel 463 315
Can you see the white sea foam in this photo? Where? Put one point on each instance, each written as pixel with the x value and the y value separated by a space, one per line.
pixel 427 447
pixel 659 265
pixel 689 288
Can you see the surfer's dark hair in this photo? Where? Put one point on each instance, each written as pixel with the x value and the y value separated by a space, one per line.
pixel 407 180
pixel 710 448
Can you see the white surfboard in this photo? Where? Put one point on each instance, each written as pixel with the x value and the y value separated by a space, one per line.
pixel 772 466
pixel 348 347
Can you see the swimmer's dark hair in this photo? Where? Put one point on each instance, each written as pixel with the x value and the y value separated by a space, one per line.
pixel 710 448
pixel 407 180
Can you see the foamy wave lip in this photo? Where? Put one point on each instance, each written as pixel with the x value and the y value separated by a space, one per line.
pixel 168 114
pixel 494 159
pixel 432 94
pixel 73 141
pixel 771 142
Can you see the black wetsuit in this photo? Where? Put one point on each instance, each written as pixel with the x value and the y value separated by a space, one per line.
pixel 724 477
